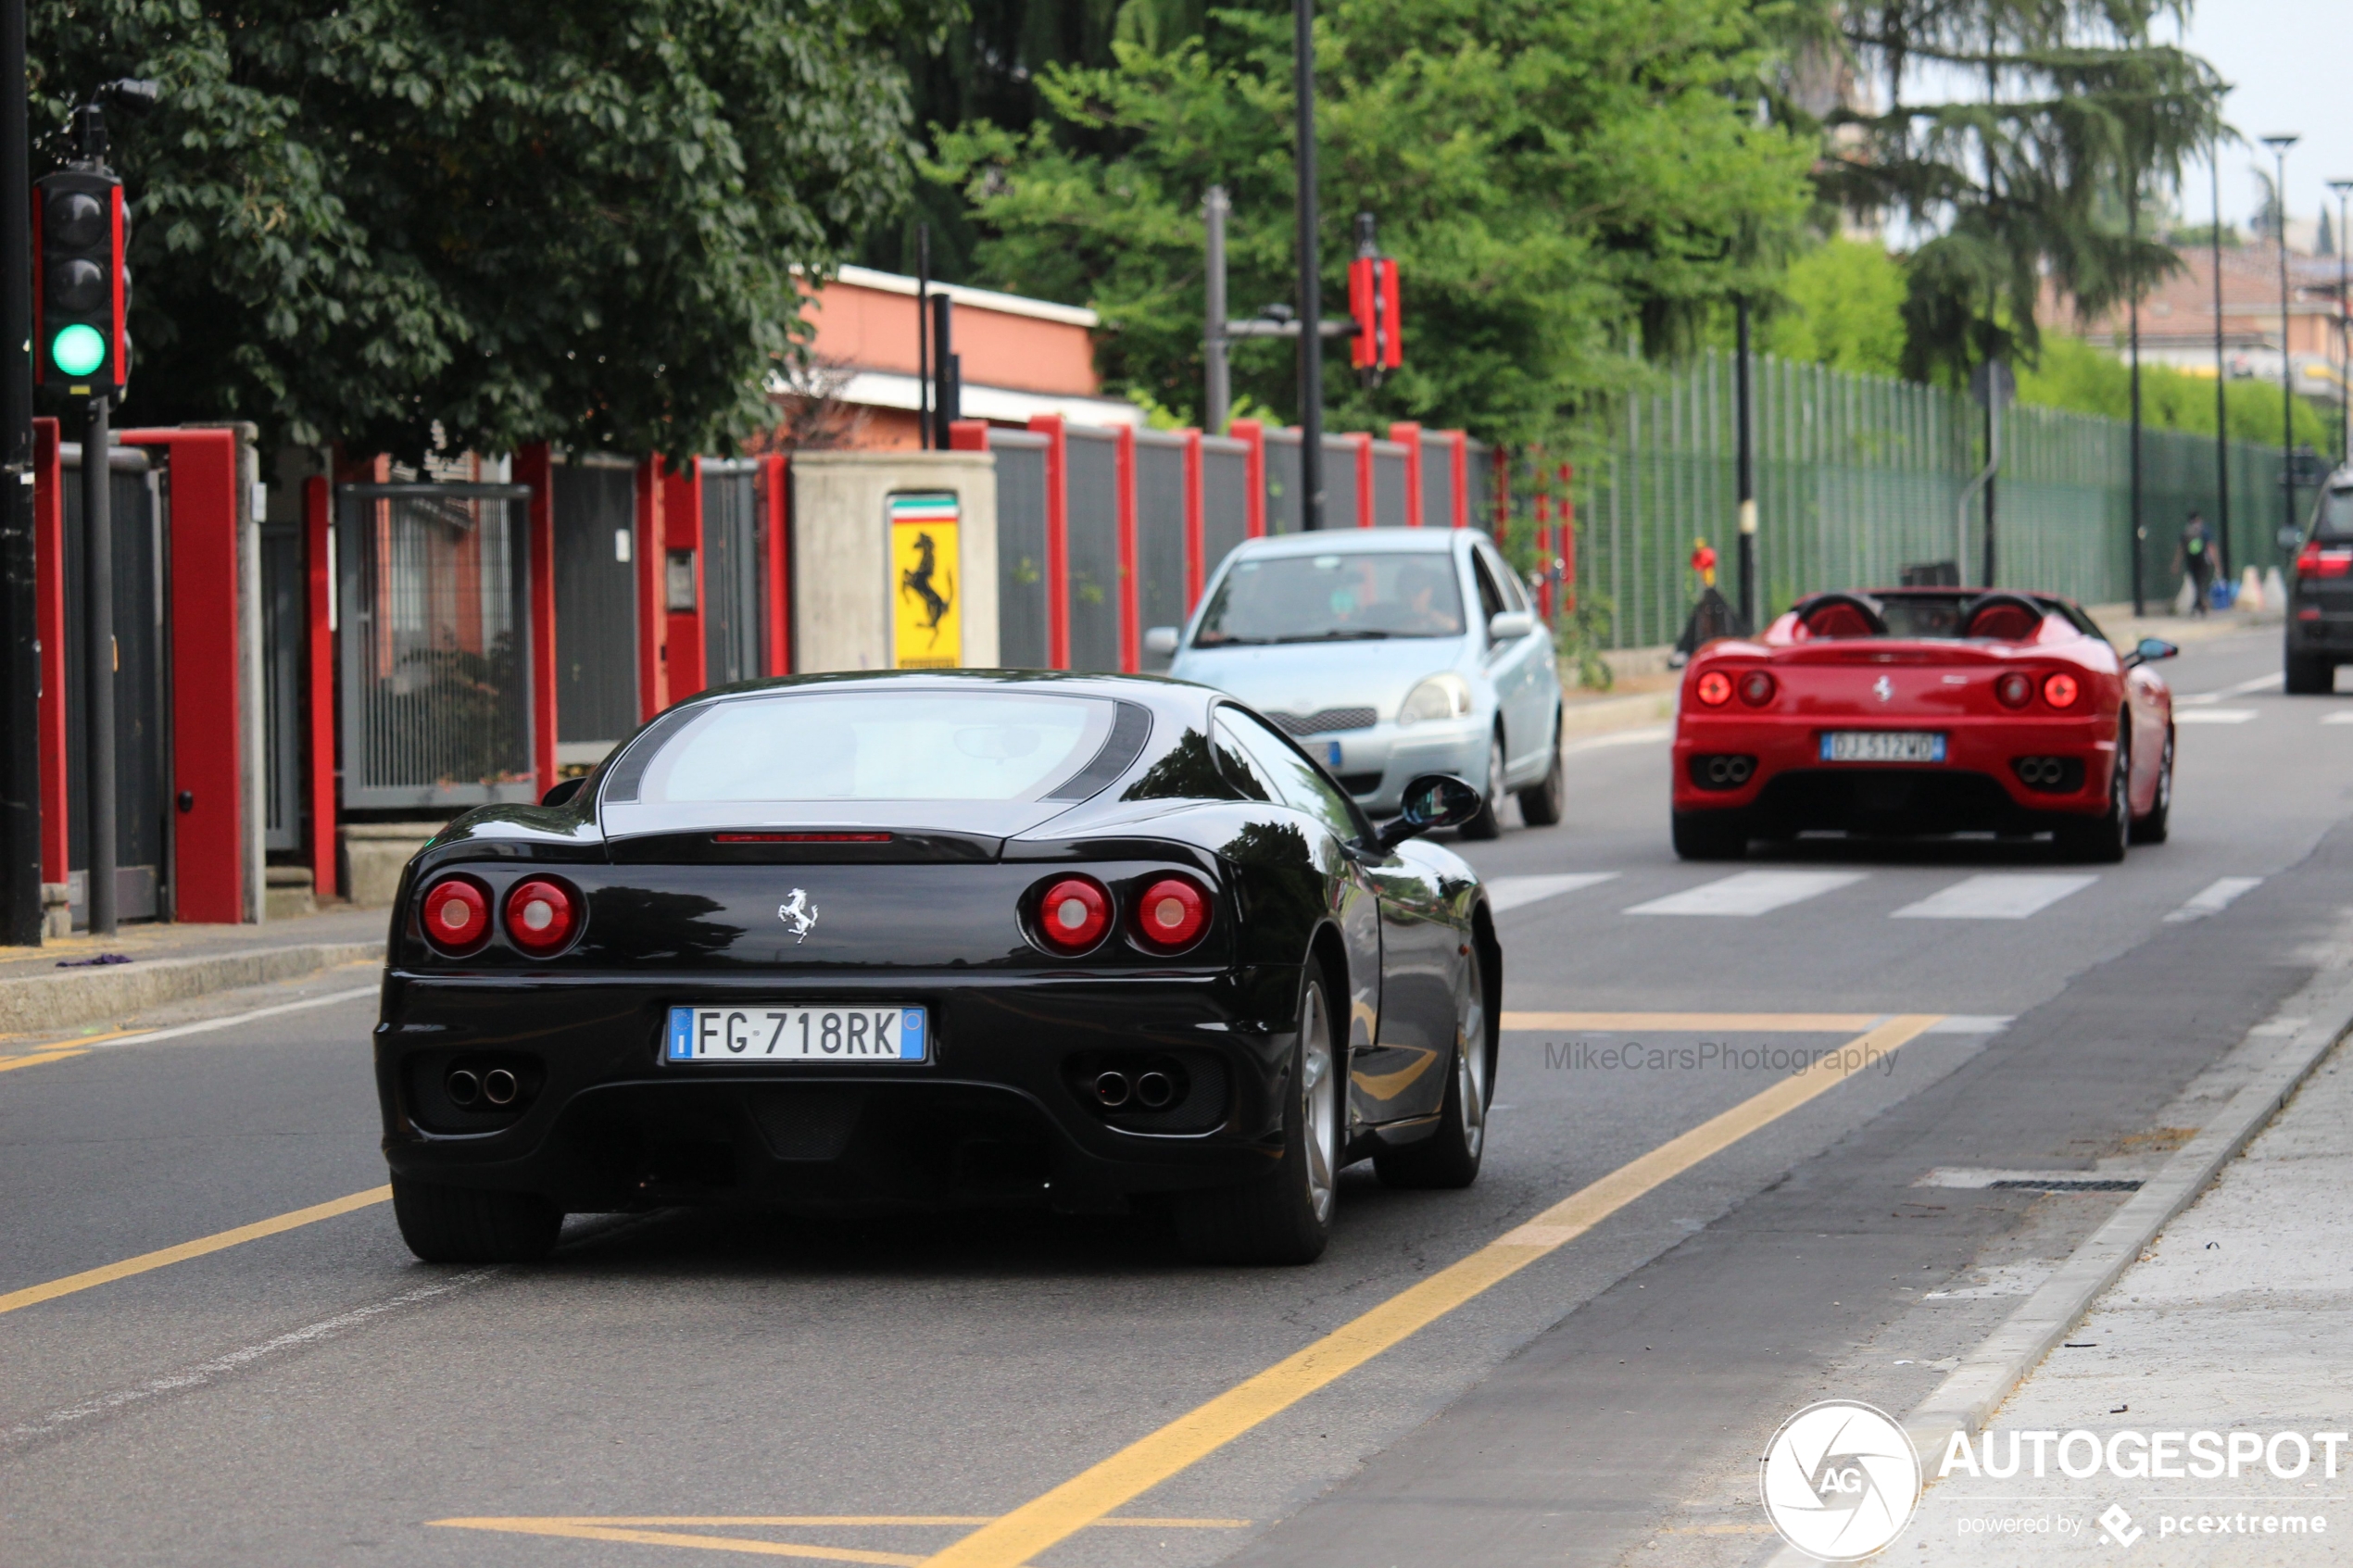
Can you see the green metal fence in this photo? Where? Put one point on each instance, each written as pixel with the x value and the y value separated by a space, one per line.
pixel 1860 476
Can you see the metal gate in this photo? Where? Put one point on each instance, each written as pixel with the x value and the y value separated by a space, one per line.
pixel 436 628
pixel 735 575
pixel 593 509
pixel 285 625
pixel 142 689
pixel 1021 548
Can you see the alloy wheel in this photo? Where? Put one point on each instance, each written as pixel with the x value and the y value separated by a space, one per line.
pixel 1321 1105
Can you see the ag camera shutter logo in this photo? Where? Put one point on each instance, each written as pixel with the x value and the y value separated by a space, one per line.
pixel 1839 1480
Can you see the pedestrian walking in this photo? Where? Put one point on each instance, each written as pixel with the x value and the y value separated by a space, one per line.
pixel 2198 558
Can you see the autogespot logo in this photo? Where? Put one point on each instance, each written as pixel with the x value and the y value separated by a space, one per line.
pixel 1839 1480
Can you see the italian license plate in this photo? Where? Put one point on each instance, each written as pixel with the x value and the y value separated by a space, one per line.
pixel 1882 745
pixel 1331 754
pixel 797 1035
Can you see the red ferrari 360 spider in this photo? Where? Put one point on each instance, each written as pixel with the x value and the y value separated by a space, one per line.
pixel 1924 711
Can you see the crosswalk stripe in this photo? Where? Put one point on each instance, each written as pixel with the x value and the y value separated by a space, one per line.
pixel 2214 715
pixel 2214 899
pixel 1514 892
pixel 2338 719
pixel 1995 897
pixel 1749 892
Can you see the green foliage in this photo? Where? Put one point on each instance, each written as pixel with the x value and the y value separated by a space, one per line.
pixel 1843 306
pixel 575 220
pixel 1559 184
pixel 1580 637
pixel 2085 379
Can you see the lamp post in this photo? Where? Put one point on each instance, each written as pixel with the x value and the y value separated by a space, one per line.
pixel 2279 145
pixel 2222 373
pixel 1310 294
pixel 2342 188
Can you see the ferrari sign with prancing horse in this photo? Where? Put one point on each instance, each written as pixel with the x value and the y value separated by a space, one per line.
pixel 926 617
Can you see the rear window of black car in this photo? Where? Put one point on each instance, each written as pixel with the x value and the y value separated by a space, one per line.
pixel 872 746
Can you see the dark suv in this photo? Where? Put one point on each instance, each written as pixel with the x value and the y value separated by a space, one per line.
pixel 2319 600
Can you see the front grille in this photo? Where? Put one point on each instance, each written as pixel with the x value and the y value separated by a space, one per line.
pixel 1326 721
pixel 1361 783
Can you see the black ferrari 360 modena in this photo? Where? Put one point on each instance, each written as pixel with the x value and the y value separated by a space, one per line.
pixel 850 942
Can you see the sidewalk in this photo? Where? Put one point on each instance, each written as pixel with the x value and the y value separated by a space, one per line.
pixel 171 964
pixel 2232 1322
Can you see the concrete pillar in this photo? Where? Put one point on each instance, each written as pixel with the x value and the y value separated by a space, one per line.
pixel 843 588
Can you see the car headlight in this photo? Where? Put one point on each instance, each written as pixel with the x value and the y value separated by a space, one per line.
pixel 1444 695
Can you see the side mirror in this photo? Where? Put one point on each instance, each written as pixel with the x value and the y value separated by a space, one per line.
pixel 561 792
pixel 1432 800
pixel 1509 626
pixel 2150 651
pixel 1160 640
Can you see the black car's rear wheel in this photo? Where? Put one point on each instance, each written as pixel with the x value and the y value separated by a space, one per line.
pixel 446 1225
pixel 1541 803
pixel 1448 1157
pixel 2310 674
pixel 1285 1217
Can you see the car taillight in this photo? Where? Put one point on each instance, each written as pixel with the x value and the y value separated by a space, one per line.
pixel 2014 690
pixel 1757 688
pixel 2314 561
pixel 2060 690
pixel 1172 913
pixel 541 916
pixel 457 915
pixel 1715 688
pixel 1074 914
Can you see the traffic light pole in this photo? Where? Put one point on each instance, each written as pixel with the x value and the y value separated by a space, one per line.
pixel 19 661
pixel 1310 294
pixel 1745 414
pixel 98 660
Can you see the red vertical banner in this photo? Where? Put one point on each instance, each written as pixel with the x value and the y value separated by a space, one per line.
pixel 1366 499
pixel 1568 540
pixel 1544 548
pixel 49 626
pixel 1252 433
pixel 1458 477
pixel 968 435
pixel 207 770
pixel 1196 521
pixel 775 476
pixel 535 466
pixel 1057 539
pixel 1131 650
pixel 653 621
pixel 682 576
pixel 1499 465
pixel 318 523
pixel 1409 434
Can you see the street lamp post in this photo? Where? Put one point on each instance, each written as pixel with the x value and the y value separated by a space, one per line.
pixel 2343 346
pixel 2279 145
pixel 1310 294
pixel 2221 374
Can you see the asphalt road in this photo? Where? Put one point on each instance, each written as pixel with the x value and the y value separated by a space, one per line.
pixel 673 1384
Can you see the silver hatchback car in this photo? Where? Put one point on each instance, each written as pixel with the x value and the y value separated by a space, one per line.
pixel 1388 652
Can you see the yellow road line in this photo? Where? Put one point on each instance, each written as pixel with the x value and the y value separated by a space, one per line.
pixel 32 1295
pixel 828 1521
pixel 635 1531
pixel 7 1062
pixel 1014 1539
pixel 1698 1023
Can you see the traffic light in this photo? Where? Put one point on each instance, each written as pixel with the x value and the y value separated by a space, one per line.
pixel 80 287
pixel 1378 344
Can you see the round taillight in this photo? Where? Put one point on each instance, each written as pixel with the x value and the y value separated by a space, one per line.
pixel 457 915
pixel 1715 688
pixel 2014 690
pixel 1074 914
pixel 541 916
pixel 1172 913
pixel 2060 690
pixel 1757 688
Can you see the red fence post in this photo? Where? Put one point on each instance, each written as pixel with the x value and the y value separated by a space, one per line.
pixel 1363 441
pixel 1410 434
pixel 49 623
pixel 1544 548
pixel 317 497
pixel 1196 521
pixel 1252 433
pixel 1131 652
pixel 1458 477
pixel 1568 540
pixel 682 530
pixel 653 619
pixel 535 466
pixel 776 475
pixel 1500 465
pixel 1057 539
pixel 968 435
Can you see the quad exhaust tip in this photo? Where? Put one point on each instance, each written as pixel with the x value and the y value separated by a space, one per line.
pixel 1155 1091
pixel 463 1087
pixel 1113 1090
pixel 498 1086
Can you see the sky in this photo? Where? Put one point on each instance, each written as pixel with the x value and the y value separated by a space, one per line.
pixel 2287 61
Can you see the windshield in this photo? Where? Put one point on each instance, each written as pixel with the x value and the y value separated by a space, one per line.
pixel 1939 615
pixel 878 746
pixel 2334 519
pixel 1343 595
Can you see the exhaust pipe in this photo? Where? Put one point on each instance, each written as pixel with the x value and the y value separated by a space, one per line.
pixel 498 1086
pixel 463 1087
pixel 1155 1091
pixel 1112 1090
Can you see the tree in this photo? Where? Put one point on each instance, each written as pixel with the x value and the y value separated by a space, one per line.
pixel 2076 111
pixel 505 221
pixel 1561 185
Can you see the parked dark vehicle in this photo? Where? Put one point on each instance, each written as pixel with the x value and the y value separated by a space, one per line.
pixel 2320 597
pixel 872 942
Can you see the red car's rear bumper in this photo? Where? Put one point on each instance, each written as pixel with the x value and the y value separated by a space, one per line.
pixel 1979 784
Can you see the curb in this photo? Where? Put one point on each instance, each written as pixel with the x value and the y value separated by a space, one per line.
pixel 1969 1395
pixel 41 1002
pixel 1608 714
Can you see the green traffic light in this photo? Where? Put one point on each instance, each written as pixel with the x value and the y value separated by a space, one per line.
pixel 79 349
